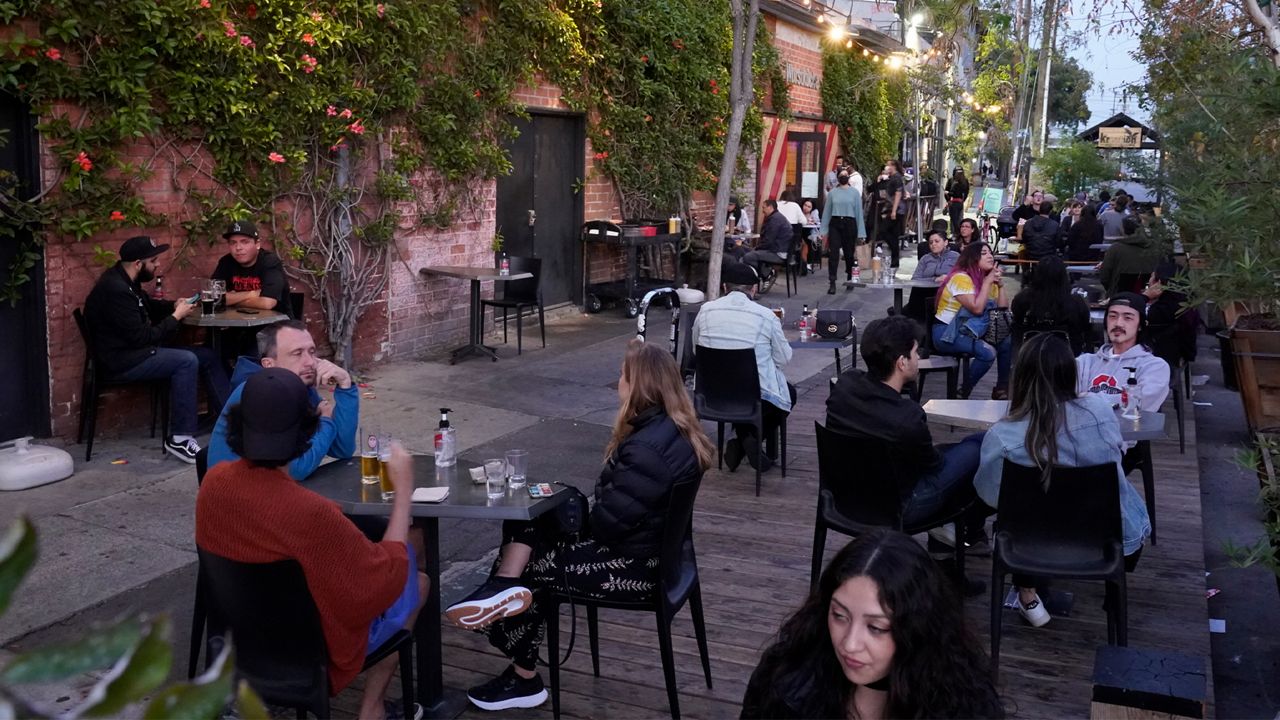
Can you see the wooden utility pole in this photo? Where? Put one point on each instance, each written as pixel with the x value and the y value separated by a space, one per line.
pixel 1040 115
pixel 746 15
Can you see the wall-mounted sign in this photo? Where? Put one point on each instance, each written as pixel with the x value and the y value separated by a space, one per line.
pixel 1124 138
pixel 803 78
pixel 793 35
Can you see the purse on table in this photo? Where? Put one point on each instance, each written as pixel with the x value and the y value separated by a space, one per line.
pixel 834 324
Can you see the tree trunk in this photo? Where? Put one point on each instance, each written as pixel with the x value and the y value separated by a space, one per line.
pixel 1040 115
pixel 1020 100
pixel 746 13
pixel 1267 20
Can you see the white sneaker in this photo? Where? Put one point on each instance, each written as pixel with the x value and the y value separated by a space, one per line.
pixel 1033 612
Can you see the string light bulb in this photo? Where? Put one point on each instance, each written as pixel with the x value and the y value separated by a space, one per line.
pixel 848 43
pixel 865 52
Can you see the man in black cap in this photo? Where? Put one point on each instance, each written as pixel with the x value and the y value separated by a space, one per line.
pixel 129 327
pixel 255 277
pixel 736 322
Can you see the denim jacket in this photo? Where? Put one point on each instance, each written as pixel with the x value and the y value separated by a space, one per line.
pixel 1090 435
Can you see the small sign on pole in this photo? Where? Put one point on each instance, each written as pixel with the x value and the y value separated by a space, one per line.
pixel 1120 138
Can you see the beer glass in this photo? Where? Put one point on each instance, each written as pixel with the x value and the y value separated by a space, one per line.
pixel 384 457
pixel 495 472
pixel 368 457
pixel 517 466
pixel 219 292
pixel 207 301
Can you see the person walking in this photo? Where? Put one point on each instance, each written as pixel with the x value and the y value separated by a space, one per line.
pixel 843 227
pixel 957 191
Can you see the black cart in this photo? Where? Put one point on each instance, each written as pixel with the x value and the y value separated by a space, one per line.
pixel 631 289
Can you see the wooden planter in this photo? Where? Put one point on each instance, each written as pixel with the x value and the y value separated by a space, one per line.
pixel 1257 356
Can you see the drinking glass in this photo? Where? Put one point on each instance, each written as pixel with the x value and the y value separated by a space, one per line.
pixel 207 301
pixel 368 457
pixel 219 292
pixel 517 466
pixel 384 457
pixel 495 472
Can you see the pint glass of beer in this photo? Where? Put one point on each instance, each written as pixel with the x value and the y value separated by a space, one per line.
pixel 384 457
pixel 368 457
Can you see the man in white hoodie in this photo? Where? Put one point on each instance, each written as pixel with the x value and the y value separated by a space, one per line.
pixel 1106 372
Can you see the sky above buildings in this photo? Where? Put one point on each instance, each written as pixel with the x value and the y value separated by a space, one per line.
pixel 1106 51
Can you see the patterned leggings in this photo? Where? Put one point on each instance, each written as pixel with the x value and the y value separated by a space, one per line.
pixel 586 568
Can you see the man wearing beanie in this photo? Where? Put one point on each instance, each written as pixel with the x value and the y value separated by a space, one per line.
pixel 1105 372
pixel 736 322
pixel 251 511
pixel 129 329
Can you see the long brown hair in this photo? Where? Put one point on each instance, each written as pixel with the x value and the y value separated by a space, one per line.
pixel 654 381
pixel 1044 381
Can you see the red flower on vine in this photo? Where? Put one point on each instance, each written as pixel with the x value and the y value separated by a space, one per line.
pixel 602 155
pixel 53 53
pixel 308 64
pixel 275 157
pixel 356 128
pixel 246 41
pixel 644 58
pixel 317 17
pixel 477 93
pixel 382 9
pixel 308 39
pixel 331 111
pixel 346 113
pixel 338 145
pixel 251 11
pixel 84 162
pixel 204 4
pixel 229 28
pixel 117 216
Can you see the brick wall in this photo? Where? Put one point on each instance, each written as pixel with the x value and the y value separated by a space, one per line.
pixel 801 57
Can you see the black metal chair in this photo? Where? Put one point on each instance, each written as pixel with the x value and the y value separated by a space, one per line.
pixel 687 358
pixel 199 613
pixel 279 643
pixel 727 390
pixel 677 583
pixel 520 295
pixel 858 491
pixel 95 379
pixel 1070 530
pixel 953 366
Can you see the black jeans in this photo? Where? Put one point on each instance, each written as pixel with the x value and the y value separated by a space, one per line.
pixel 843 236
pixel 891 234
pixel 771 418
pixel 956 210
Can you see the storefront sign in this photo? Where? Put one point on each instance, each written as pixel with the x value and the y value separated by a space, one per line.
pixel 1119 137
pixel 803 78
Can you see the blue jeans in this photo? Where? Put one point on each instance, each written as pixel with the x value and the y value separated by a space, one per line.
pixel 181 366
pixel 983 355
pixel 950 487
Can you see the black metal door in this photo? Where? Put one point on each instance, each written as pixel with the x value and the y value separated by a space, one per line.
pixel 24 390
pixel 539 211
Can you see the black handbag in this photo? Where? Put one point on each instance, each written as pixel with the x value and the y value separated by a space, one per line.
pixel 999 325
pixel 834 324
pixel 572 514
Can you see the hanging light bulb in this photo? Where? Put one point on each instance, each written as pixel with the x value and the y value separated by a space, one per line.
pixel 865 52
pixel 836 32
pixel 848 43
pixel 822 19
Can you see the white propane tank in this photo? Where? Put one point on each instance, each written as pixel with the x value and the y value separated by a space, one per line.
pixel 23 465
pixel 689 296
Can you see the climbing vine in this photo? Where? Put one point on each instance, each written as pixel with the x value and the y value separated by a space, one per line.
pixel 863 98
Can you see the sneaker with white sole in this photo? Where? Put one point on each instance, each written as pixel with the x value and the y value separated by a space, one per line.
pixel 497 598
pixel 184 450
pixel 1033 612
pixel 508 690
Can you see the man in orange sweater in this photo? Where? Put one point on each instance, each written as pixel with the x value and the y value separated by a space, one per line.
pixel 251 511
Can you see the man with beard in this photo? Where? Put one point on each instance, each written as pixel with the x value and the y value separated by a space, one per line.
pixel 289 346
pixel 129 329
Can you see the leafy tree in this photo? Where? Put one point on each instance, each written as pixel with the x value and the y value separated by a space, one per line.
pixel 1067 169
pixel 1068 86
pixel 862 98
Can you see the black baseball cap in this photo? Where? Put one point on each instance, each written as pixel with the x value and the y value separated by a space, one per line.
pixel 241 227
pixel 140 247
pixel 1130 300
pixel 273 406
pixel 738 273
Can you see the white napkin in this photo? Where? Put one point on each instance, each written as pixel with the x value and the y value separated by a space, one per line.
pixel 430 494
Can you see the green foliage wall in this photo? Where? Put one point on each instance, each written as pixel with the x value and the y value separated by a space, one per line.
pixel 862 98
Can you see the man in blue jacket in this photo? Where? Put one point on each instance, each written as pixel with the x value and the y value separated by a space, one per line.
pixel 289 345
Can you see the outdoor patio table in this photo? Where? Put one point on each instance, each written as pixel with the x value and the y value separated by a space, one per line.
pixel 231 318
pixel 817 343
pixel 982 414
pixel 474 345
pixel 340 481
pixel 1100 246
pixel 1082 269
pixel 897 286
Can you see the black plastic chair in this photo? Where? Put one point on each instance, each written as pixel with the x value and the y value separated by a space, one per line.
pixel 727 390
pixel 519 295
pixel 279 643
pixel 858 492
pixel 677 583
pixel 94 379
pixel 687 360
pixel 1071 530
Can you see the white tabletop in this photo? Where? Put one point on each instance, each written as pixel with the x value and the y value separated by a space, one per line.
pixel 982 414
pixel 897 284
pixel 1082 269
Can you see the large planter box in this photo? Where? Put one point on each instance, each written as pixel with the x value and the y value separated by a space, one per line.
pixel 1257 357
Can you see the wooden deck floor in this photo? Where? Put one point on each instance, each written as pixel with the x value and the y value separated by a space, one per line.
pixel 753 554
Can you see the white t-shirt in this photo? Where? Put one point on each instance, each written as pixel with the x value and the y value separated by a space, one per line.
pixel 791 212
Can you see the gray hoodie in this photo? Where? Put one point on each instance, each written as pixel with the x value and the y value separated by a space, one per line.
pixel 1104 373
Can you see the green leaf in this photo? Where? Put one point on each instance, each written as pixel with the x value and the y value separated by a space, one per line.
pixel 98 649
pixel 248 705
pixel 17 555
pixel 201 699
pixel 136 674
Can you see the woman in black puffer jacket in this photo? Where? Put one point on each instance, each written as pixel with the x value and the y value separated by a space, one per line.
pixel 656 443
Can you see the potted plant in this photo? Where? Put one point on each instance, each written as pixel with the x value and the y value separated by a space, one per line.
pixel 496 244
pixel 1263 458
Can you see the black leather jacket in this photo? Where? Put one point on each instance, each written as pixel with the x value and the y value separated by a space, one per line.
pixel 126 323
pixel 635 485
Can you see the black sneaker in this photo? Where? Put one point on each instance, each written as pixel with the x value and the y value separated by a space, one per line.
pixel 497 598
pixel 508 690
pixel 185 450
pixel 733 453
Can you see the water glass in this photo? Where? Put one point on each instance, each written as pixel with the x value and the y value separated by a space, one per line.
pixel 517 466
pixel 495 472
pixel 384 475
pixel 368 457
pixel 219 292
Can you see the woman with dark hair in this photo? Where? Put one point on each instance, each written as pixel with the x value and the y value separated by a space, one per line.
pixel 1049 424
pixel 1048 305
pixel 882 636
pixel 957 190
pixel 973 287
pixel 1084 231
pixel 657 442
pixel 967 234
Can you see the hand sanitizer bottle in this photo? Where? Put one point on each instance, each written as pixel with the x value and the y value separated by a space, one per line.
pixel 445 442
pixel 1129 397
